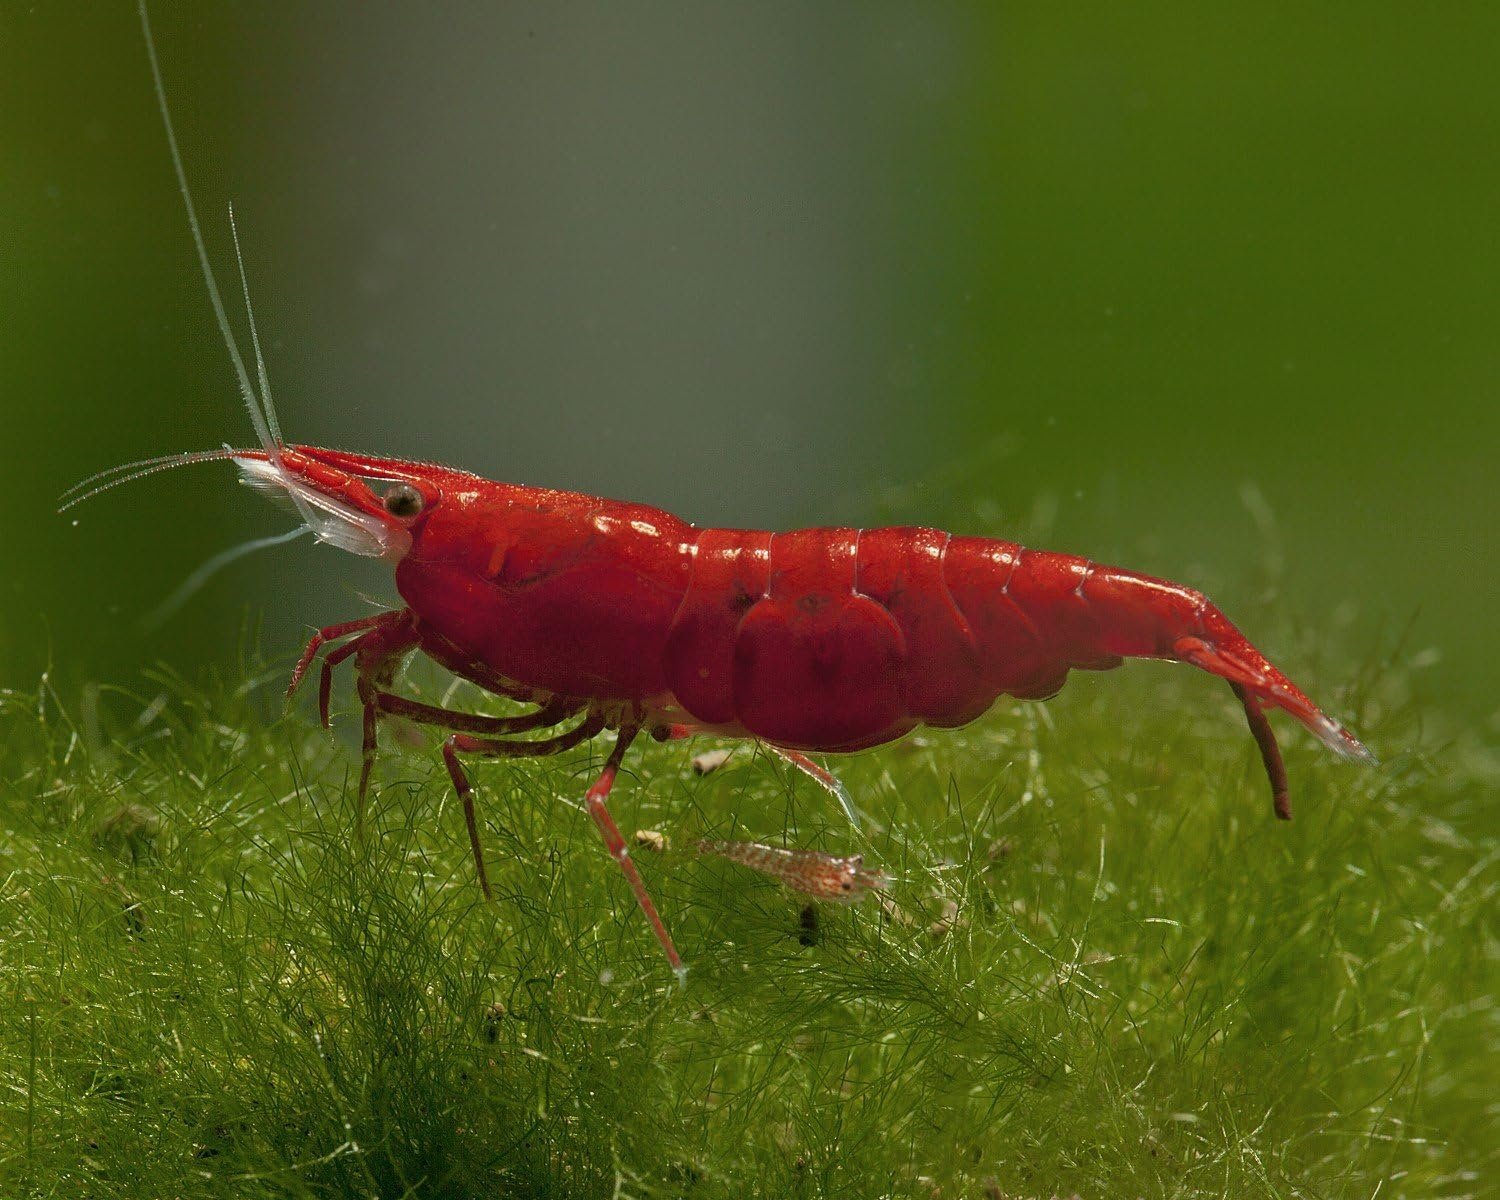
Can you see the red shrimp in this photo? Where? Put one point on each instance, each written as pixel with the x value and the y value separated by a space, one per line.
pixel 621 617
pixel 607 615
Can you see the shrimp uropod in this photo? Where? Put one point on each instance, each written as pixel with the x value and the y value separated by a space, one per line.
pixel 608 616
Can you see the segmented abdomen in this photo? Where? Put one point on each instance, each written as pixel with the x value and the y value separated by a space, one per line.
pixel 836 639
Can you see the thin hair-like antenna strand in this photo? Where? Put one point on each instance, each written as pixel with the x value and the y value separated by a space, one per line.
pixel 102 481
pixel 262 417
pixel 160 614
pixel 163 461
pixel 257 418
pixel 268 406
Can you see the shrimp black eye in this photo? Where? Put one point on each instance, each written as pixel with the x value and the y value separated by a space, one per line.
pixel 403 500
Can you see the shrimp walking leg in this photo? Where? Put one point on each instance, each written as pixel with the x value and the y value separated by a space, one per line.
pixel 384 703
pixel 379 653
pixel 325 677
pixel 620 852
pixel 464 743
pixel 392 705
pixel 331 633
pixel 384 641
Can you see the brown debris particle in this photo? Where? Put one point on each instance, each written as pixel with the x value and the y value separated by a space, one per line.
pixel 710 760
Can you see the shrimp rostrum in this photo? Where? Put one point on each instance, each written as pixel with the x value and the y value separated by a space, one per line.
pixel 603 616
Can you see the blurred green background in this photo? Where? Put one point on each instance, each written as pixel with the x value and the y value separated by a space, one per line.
pixel 1193 288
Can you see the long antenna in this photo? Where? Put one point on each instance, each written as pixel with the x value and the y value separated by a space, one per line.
pixel 158 616
pixel 260 361
pixel 257 418
pixel 112 477
pixel 262 413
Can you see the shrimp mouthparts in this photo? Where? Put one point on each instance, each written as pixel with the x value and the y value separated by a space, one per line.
pixel 330 520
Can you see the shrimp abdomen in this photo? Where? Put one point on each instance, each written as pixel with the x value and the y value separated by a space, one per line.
pixel 838 639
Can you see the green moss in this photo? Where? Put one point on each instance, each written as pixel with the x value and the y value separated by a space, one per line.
pixel 1104 969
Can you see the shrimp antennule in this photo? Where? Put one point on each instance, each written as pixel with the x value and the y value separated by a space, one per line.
pixel 261 410
pixel 110 477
